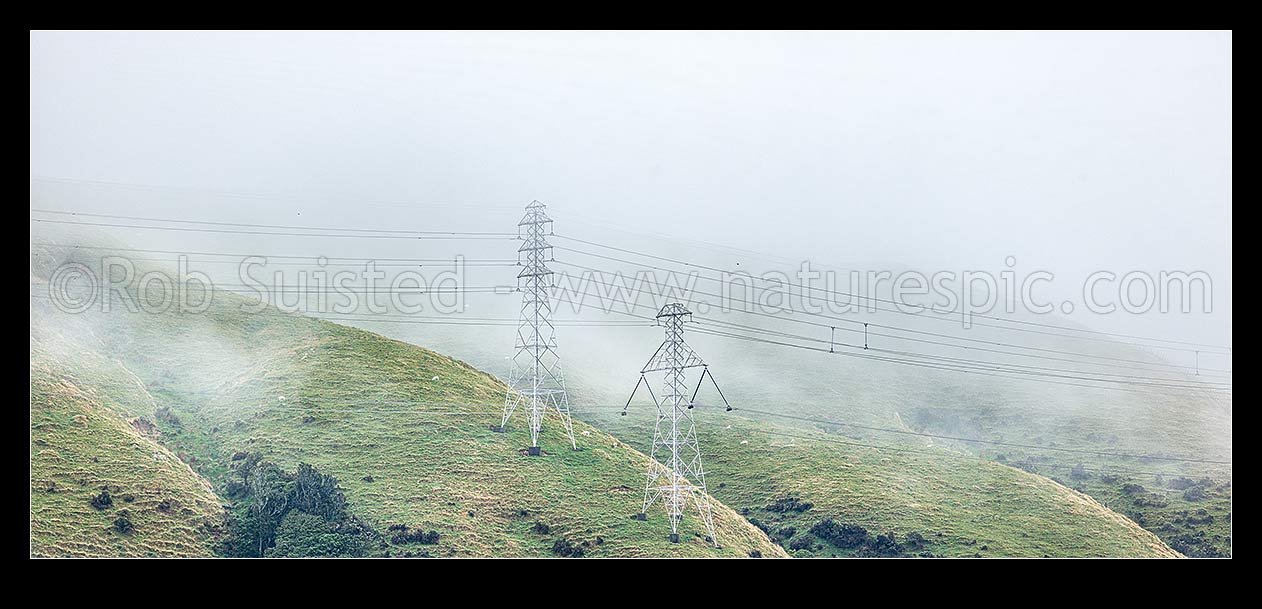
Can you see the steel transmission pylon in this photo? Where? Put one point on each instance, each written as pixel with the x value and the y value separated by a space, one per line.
pixel 675 473
pixel 535 379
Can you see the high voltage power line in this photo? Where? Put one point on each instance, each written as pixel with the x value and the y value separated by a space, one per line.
pixel 895 328
pixel 978 371
pixel 402 233
pixel 860 347
pixel 421 236
pixel 724 329
pixel 862 298
pixel 953 364
pixel 506 261
pixel 728 250
pixel 832 342
pixel 372 231
pixel 676 261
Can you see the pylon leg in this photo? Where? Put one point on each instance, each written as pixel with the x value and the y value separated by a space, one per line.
pixel 536 420
pixel 563 410
pixel 510 404
pixel 702 500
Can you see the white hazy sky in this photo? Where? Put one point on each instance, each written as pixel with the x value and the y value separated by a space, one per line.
pixel 1073 152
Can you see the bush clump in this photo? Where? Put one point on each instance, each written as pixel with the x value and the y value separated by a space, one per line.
pixel 123 524
pixel 426 538
pixel 847 536
pixel 805 541
pixel 563 547
pixel 103 501
pixel 883 546
pixel 789 504
pixel 281 513
pixel 857 538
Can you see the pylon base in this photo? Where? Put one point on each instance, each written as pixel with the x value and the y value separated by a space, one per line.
pixel 497 429
pixel 640 516
pixel 674 537
pixel 534 451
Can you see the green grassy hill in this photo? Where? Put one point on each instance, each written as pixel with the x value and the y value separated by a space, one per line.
pixel 1188 505
pixel 954 489
pixel 84 448
pixel 404 430
pixel 372 412
pixel 788 481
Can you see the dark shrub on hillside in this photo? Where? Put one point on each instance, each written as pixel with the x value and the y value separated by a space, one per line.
pixel 1196 545
pixel 915 541
pixel 789 504
pixel 427 538
pixel 1079 472
pixel 1201 516
pixel 316 493
pixel 840 535
pixel 1132 488
pixel 882 546
pixel 1109 478
pixel 755 554
pixel 541 528
pixel 102 501
pixel 397 527
pixel 563 547
pixel 122 524
pixel 307 535
pixel 265 495
pixel 1195 493
pixel 761 525
pixel 805 541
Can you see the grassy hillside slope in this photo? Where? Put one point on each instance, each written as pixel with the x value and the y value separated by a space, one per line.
pixel 83 447
pixel 404 430
pixel 787 480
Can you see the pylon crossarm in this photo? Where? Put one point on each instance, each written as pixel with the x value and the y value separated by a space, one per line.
pixel 648 365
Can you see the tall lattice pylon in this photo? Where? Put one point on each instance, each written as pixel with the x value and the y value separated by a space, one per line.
pixel 675 473
pixel 535 379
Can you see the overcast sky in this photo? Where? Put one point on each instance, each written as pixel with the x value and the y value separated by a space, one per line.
pixel 1073 152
